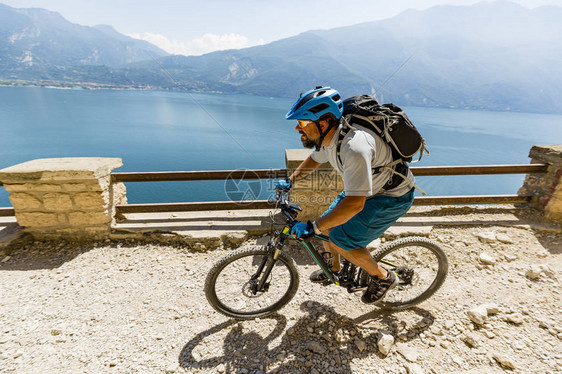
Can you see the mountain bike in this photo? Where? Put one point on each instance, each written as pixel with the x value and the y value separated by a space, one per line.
pixel 256 281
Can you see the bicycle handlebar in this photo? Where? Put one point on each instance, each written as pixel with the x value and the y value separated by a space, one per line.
pixel 289 209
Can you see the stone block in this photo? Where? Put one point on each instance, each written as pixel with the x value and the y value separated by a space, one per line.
pixel 54 201
pixel 328 180
pixel 37 219
pixel 119 192
pixel 554 206
pixel 75 187
pixel 104 182
pixel 294 157
pixel 60 169
pixel 67 231
pixel 16 187
pixel 84 186
pixel 551 154
pixel 309 212
pixel 89 201
pixel 102 229
pixel 87 218
pixel 80 187
pixel 304 185
pixel 33 187
pixel 25 201
pixel 315 193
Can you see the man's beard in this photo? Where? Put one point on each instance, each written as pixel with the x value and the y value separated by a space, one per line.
pixel 307 142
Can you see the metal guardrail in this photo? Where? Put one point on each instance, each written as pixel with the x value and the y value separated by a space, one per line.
pixel 423 171
pixel 279 173
pixel 7 212
pixel 167 176
pixel 419 171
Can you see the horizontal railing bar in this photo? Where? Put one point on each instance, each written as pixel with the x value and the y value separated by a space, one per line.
pixel 474 199
pixel 479 169
pixel 7 212
pixel 167 176
pixel 264 204
pixel 193 207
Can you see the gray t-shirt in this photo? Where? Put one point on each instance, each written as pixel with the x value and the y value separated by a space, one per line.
pixel 361 151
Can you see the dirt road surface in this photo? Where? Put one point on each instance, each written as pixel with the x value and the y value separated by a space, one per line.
pixel 140 308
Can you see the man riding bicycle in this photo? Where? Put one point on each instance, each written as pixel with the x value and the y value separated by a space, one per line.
pixel 367 206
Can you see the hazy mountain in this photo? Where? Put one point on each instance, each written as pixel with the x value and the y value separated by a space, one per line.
pixel 36 41
pixel 496 55
pixel 491 55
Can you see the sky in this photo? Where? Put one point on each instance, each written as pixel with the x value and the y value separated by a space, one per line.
pixel 195 27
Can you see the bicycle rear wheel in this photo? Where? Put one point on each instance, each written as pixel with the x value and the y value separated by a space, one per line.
pixel 231 285
pixel 421 267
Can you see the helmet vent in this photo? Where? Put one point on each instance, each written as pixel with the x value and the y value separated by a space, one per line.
pixel 336 98
pixel 319 108
pixel 306 99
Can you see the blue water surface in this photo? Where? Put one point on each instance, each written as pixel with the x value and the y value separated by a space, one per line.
pixel 171 131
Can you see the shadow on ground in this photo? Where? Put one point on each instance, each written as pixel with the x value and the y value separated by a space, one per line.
pixel 27 253
pixel 321 339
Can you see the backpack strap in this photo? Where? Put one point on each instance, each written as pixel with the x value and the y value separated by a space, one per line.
pixel 343 132
pixel 398 168
pixel 398 175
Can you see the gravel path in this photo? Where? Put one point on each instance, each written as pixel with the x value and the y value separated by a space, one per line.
pixel 140 308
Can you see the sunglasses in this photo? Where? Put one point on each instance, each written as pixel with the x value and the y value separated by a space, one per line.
pixel 303 123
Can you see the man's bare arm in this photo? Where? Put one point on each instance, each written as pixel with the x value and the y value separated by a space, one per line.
pixel 343 212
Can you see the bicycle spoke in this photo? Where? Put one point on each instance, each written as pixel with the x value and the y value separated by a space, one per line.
pixel 421 267
pixel 236 286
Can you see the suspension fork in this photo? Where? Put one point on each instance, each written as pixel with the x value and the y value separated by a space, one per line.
pixel 267 263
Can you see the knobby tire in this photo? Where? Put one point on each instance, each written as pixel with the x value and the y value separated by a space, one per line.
pixel 240 255
pixel 434 251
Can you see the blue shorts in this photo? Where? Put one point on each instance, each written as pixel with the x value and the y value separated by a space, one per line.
pixel 378 214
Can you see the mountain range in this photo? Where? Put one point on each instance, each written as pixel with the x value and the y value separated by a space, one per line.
pixel 491 55
pixel 34 43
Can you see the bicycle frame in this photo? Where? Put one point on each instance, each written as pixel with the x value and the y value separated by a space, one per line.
pixel 278 241
pixel 313 252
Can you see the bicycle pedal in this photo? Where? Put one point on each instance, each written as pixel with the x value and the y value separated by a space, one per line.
pixel 356 289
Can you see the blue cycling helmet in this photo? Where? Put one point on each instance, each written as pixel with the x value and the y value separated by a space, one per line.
pixel 314 104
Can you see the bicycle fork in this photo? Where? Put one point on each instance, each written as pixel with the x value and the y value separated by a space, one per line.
pixel 259 279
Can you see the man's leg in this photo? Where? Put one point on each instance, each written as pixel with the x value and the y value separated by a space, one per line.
pixel 382 280
pixel 360 257
pixel 318 276
pixel 378 214
pixel 336 264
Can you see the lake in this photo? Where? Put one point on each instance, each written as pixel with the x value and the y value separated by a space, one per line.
pixel 173 131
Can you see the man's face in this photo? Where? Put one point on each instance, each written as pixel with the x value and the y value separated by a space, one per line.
pixel 309 133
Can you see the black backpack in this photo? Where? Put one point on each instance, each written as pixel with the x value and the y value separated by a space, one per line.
pixel 390 123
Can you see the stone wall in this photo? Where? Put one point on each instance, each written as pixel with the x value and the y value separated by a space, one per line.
pixel 64 196
pixel 547 188
pixel 315 193
pixel 75 197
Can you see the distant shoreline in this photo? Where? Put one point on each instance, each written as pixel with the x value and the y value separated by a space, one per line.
pixel 105 86
pixel 76 85
pixel 96 86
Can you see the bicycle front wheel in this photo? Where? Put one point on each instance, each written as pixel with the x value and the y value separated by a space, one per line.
pixel 233 284
pixel 421 266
